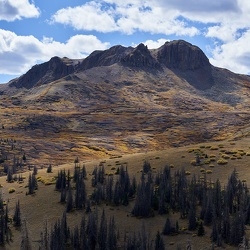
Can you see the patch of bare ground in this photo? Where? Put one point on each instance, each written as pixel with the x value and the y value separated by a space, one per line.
pixel 44 204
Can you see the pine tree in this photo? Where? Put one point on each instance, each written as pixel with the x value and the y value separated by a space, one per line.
pixel 84 172
pixel 112 237
pixel 146 166
pixel 25 240
pixel 49 169
pixel 35 170
pixel 80 193
pixel 83 236
pixel 192 218
pixel 76 239
pixel 32 184
pixel 45 238
pixel 167 227
pixel 17 215
pixel 69 205
pixel 102 234
pixel 201 229
pixel 159 244
pixel 92 230
pixel 9 176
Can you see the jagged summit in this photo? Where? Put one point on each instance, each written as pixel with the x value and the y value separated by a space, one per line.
pixel 141 57
pixel 47 72
pixel 187 60
pixel 182 55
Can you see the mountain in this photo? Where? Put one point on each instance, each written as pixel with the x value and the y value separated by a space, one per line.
pixel 124 100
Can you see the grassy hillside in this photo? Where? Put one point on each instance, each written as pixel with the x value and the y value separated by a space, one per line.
pixel 44 204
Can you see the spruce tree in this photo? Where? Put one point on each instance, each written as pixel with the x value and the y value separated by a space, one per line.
pixel 201 229
pixel 159 244
pixel 102 234
pixel 25 239
pixel 167 230
pixel 69 205
pixel 112 237
pixel 17 215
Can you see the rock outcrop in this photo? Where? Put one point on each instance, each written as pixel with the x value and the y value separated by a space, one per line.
pixel 182 55
pixel 104 58
pixel 140 57
pixel 47 72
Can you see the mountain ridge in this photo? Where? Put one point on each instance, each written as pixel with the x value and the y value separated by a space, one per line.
pixel 124 100
pixel 177 55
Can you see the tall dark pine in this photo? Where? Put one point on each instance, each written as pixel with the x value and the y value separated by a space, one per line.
pixel 167 227
pixel 17 215
pixel 159 244
pixel 103 232
pixel 92 230
pixel 69 205
pixel 45 238
pixel 25 239
pixel 112 237
pixel 192 218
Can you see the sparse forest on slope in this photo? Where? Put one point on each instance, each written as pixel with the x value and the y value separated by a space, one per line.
pixel 148 201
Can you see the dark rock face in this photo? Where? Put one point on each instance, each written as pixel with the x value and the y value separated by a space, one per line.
pixel 44 73
pixel 140 57
pixel 182 55
pixel 188 62
pixel 104 58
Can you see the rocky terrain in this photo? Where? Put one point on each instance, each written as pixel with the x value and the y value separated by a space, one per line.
pixel 123 100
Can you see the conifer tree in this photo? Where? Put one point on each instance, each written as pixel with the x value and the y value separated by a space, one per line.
pixel 17 215
pixel 159 244
pixel 102 234
pixel 25 239
pixel 83 236
pixel 201 229
pixel 92 230
pixel 112 237
pixel 69 205
pixel 45 238
pixel 167 227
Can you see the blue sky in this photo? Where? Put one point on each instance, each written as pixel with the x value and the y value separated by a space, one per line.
pixel 32 32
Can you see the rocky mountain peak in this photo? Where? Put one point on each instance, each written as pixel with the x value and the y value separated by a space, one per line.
pixel 104 58
pixel 140 57
pixel 50 71
pixel 182 55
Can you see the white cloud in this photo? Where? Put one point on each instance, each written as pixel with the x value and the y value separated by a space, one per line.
pixel 124 16
pixel 87 17
pixel 234 55
pixel 19 53
pixel 11 10
pixel 155 44
pixel 225 33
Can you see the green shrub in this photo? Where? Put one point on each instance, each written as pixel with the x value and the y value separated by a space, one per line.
pixel 225 156
pixel 222 162
pixel 12 190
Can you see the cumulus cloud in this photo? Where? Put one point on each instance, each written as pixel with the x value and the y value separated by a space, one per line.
pixel 234 55
pixel 90 16
pixel 155 44
pixel 19 53
pixel 11 10
pixel 124 16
